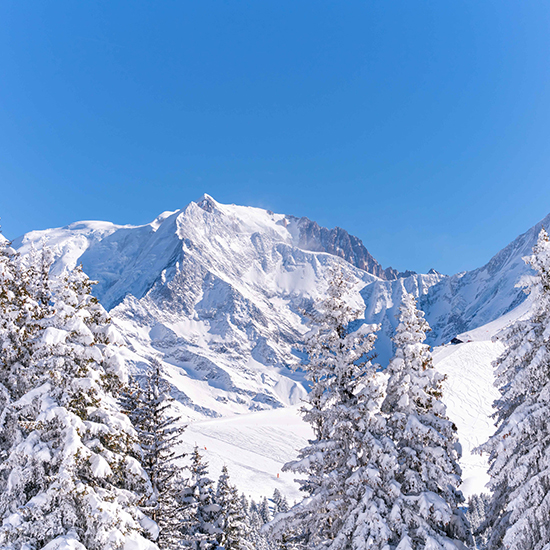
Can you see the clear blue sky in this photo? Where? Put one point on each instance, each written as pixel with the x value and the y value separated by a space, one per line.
pixel 422 127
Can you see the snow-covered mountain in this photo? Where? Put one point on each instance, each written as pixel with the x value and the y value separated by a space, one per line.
pixel 471 299
pixel 217 291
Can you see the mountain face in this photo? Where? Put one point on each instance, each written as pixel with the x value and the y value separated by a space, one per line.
pixel 217 292
pixel 473 298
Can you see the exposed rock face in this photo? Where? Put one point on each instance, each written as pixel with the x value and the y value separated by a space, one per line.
pixel 391 274
pixel 338 242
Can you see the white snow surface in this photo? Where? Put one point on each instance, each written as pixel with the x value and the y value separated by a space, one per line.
pixel 254 448
pixel 469 392
pixel 217 292
pixel 472 299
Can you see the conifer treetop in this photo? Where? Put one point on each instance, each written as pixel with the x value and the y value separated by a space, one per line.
pixel 425 507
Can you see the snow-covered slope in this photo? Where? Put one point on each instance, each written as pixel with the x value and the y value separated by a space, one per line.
pixel 218 291
pixel 255 446
pixel 469 391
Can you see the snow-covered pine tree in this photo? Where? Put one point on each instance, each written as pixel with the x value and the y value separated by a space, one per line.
pixel 231 521
pixel 264 510
pixel 198 497
pixel 519 451
pixel 12 336
pixel 24 303
pixel 245 506
pixel 67 479
pixel 280 503
pixel 478 509
pixel 349 464
pixel 36 266
pixel 258 539
pixel 149 406
pixel 426 513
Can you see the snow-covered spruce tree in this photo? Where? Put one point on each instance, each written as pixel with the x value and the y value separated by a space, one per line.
pixel 426 513
pixel 519 451
pixel 68 481
pixel 258 539
pixel 264 510
pixel 477 513
pixel 149 406
pixel 198 497
pixel 349 465
pixel 24 303
pixel 233 531
pixel 280 503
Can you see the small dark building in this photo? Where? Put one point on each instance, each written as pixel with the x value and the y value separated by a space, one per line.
pixel 456 340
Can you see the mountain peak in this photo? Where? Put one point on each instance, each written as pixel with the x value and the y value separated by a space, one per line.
pixel 217 290
pixel 207 203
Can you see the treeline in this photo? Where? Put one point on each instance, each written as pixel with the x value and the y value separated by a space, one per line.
pixel 90 458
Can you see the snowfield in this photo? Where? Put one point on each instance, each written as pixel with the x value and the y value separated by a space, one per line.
pixel 469 394
pixel 254 448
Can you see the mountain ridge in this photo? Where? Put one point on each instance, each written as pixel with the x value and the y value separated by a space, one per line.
pixel 470 299
pixel 335 241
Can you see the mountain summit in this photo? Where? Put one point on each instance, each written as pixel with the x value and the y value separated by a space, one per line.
pixel 309 235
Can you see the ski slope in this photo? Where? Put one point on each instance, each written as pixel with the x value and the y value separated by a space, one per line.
pixel 469 394
pixel 255 446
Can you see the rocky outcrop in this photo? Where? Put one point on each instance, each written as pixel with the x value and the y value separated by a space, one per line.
pixel 338 242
